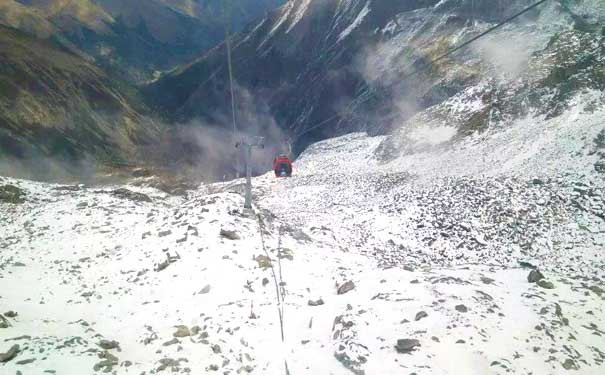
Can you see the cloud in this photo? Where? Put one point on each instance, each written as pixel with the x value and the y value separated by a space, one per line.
pixel 208 149
pixel 507 53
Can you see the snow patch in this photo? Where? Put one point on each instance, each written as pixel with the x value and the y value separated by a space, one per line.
pixel 360 17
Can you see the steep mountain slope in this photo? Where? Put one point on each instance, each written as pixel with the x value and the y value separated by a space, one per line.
pixel 422 264
pixel 133 38
pixel 240 12
pixel 311 60
pixel 54 104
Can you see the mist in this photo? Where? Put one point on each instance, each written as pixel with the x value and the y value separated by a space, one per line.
pixel 207 150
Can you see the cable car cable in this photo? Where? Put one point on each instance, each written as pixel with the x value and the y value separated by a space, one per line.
pixel 228 15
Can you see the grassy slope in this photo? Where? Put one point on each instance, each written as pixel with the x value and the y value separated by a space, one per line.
pixel 54 103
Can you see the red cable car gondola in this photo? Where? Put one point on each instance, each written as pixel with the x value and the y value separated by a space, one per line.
pixel 282 166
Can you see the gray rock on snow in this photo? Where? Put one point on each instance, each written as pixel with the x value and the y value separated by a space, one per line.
pixel 420 315
pixel 546 284
pixel 11 194
pixel 406 346
pixel 595 289
pixel 171 342
pixel 10 354
pixel 230 234
pixel 26 361
pixel 4 323
pixel 349 364
pixel 569 364
pixel 346 287
pixel 182 331
pixel 166 363
pixel 109 344
pixel 461 308
pixel 535 276
pixel 205 290
pixel 131 195
pixel 318 302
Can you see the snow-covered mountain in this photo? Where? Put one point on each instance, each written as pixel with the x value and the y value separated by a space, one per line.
pixel 422 263
pixel 469 240
pixel 366 61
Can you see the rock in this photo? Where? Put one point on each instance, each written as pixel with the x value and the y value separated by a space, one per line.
pixel 164 233
pixel 420 315
pixel 195 330
pixel 4 323
pixel 213 368
pixel 527 265
pixel 106 365
pixel 350 364
pixel 285 254
pixel 11 314
pixel 171 342
pixel 12 353
pixel 216 349
pixel 11 194
pixel 205 290
pixel 131 195
pixel 109 345
pixel 182 331
pixel 569 364
pixel 168 363
pixel 405 346
pixel 546 284
pixel 460 341
pixel 534 276
pixel 263 261
pixel 301 236
pixel 319 302
pixel 346 287
pixel 265 281
pixel 595 289
pixel 487 280
pixel 23 337
pixel 26 361
pixel 229 234
pixel 461 308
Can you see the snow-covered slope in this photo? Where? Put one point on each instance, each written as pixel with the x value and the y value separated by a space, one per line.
pixel 438 243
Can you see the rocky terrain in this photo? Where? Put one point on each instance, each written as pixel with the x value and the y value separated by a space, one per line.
pixel 477 255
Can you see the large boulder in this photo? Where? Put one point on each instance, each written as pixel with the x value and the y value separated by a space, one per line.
pixel 11 194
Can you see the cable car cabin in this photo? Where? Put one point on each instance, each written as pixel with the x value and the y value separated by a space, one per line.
pixel 282 166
